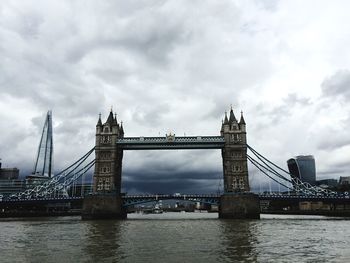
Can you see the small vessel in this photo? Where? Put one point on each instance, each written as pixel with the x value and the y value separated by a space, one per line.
pixel 155 210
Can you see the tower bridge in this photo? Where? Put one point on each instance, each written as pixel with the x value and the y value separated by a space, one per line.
pixel 107 201
pixel 236 202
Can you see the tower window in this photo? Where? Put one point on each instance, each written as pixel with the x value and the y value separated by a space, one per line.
pixel 105 155
pixel 235 137
pixel 100 184
pixel 105 139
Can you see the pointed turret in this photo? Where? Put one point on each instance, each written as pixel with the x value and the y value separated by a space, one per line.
pixel 232 117
pixel 121 129
pixel 242 121
pixel 242 125
pixel 222 127
pixel 110 118
pixel 115 122
pixel 226 120
pixel 99 122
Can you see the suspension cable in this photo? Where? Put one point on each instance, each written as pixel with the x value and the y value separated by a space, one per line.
pixel 71 180
pixel 257 165
pixel 273 170
pixel 296 181
pixel 256 153
pixel 55 179
pixel 84 157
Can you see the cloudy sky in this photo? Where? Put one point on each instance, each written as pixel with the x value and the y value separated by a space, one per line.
pixel 177 66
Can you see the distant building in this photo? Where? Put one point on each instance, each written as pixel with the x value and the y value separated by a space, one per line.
pixel 304 168
pixel 327 183
pixel 344 180
pixel 8 173
pixel 8 187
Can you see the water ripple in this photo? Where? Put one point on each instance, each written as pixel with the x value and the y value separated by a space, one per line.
pixel 175 237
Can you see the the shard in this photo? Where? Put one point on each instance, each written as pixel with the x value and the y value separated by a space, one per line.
pixel 44 163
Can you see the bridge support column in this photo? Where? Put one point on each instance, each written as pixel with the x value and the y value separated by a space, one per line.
pixel 239 206
pixel 103 206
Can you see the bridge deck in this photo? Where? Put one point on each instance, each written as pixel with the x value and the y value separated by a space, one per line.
pixel 171 142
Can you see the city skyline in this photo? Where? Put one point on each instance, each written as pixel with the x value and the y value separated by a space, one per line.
pixel 177 66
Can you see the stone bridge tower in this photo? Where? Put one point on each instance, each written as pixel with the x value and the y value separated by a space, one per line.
pixel 234 154
pixel 236 202
pixel 106 200
pixel 108 158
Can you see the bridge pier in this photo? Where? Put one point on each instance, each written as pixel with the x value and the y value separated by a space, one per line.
pixel 239 206
pixel 103 206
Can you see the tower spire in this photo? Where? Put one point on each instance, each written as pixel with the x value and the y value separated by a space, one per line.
pixel 121 128
pixel 115 120
pixel 232 116
pixel 226 120
pixel 99 122
pixel 242 121
pixel 110 118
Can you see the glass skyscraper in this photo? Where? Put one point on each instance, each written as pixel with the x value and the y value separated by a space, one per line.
pixel 304 168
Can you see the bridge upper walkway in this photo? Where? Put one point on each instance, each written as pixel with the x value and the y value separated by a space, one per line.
pixel 171 142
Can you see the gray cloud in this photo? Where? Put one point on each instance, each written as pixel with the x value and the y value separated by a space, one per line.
pixel 338 84
pixel 173 65
pixel 279 114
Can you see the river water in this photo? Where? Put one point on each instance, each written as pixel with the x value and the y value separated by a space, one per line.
pixel 176 237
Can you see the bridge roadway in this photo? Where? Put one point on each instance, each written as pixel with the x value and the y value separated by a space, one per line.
pixel 171 142
pixel 129 200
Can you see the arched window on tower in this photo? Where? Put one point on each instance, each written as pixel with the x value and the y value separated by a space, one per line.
pixel 100 184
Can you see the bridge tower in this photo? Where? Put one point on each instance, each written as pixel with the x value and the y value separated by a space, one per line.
pixel 234 154
pixel 237 201
pixel 108 158
pixel 106 201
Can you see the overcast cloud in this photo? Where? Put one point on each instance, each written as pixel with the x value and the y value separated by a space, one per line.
pixel 177 66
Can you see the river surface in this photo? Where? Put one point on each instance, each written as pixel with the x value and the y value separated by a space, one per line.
pixel 176 237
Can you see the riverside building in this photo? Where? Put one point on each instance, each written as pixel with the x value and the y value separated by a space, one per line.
pixel 303 167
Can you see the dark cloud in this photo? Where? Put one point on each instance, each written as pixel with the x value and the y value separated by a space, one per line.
pixel 168 182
